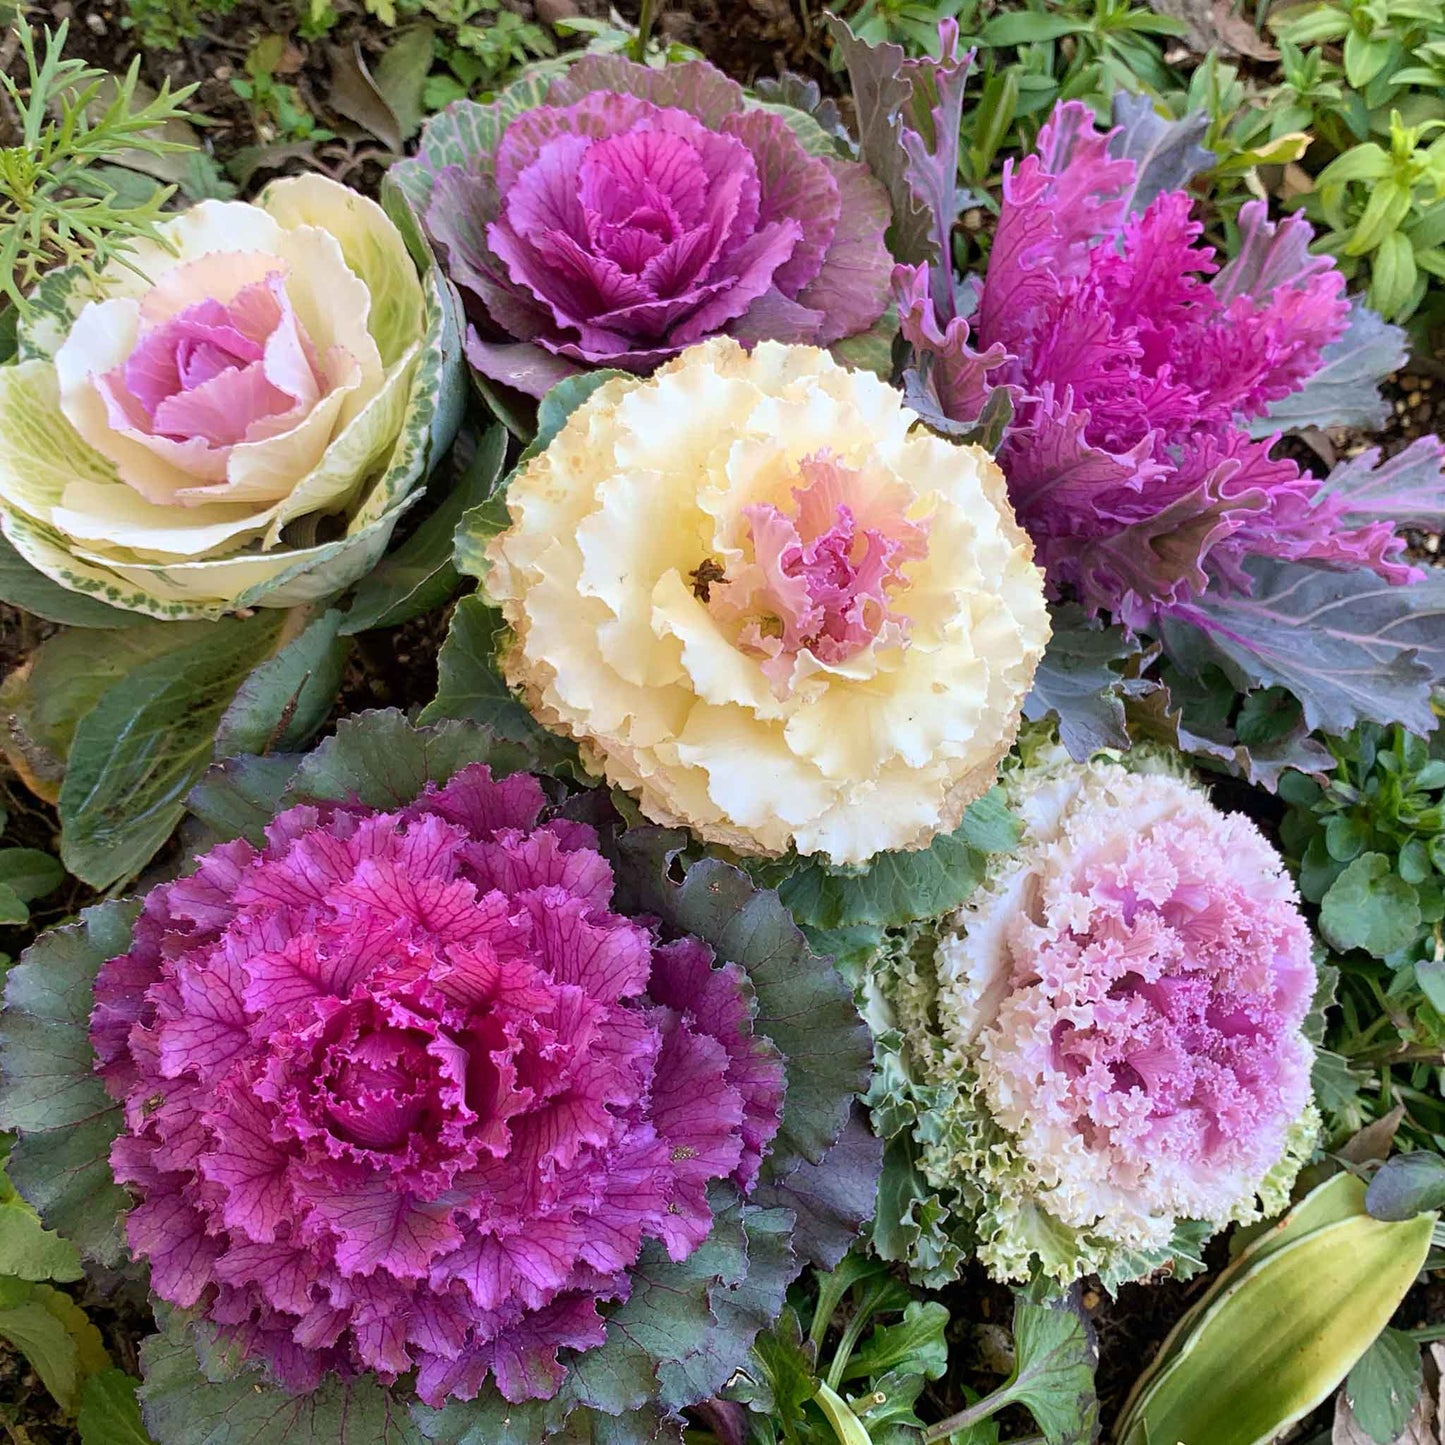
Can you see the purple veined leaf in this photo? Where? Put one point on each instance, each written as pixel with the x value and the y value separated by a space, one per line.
pixel 931 143
pixel 1344 391
pixel 1351 647
pixel 1408 489
pixel 947 383
pixel 1166 153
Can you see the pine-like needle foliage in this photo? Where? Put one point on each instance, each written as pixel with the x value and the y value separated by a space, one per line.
pixel 54 209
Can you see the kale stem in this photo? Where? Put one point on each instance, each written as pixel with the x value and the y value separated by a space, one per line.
pixel 989 1405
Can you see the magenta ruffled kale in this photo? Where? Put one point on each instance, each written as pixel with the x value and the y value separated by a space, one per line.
pixel 402 1092
pixel 633 212
pixel 1136 364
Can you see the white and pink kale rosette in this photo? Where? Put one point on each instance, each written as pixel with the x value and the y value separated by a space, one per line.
pixel 1102 1055
pixel 412 1097
pixel 236 414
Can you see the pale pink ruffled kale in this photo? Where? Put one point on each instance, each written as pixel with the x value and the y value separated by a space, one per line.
pixel 638 211
pixel 1136 364
pixel 1158 987
pixel 401 1091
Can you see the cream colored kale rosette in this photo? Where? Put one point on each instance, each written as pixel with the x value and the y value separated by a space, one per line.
pixel 235 416
pixel 765 601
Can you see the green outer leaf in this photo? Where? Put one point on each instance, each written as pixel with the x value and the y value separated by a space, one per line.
pixel 239 797
pixel 138 751
pixel 803 1005
pixel 25 586
pixel 29 874
pixel 55 1335
pixel 1385 1385
pixel 381 760
pixel 110 1412
pixel 27 1249
pixel 898 888
pixel 1077 683
pixel 181 1406
pixel 61 1163
pixel 70 672
pixel 481 523
pixel 469 686
pixel 284 701
pixel 420 575
pixel 1369 906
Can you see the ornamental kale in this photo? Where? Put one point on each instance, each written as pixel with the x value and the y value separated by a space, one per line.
pixel 1106 1043
pixel 401 1090
pixel 1136 363
pixel 632 212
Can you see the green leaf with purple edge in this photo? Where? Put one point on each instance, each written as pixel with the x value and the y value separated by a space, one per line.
pixel 1345 391
pixel 1408 489
pixel 180 1406
pixel 1348 645
pixel 239 797
pixel 61 1163
pixel 1078 684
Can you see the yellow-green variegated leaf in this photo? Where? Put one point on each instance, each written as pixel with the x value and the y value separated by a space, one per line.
pixel 1281 1327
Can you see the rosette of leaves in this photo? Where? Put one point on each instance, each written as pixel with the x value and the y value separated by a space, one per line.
pixel 669 1329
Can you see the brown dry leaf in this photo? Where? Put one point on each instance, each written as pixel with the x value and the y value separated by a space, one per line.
pixel 354 94
pixel 1374 1140
pixel 1214 25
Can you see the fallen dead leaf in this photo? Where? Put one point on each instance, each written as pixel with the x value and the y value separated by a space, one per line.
pixel 1214 25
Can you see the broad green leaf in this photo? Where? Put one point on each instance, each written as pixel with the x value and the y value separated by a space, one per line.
pixel 138 751
pixel 1407 1185
pixel 1370 906
pixel 24 586
pixel 419 575
pixel 14 912
pixel 915 1345
pixel 480 523
pixel 110 1412
pixel 65 677
pixel 238 798
pixel 27 1249
pixel 1078 684
pixel 61 1163
pixel 285 700
pixel 897 888
pixel 381 760
pixel 468 683
pixel 58 1339
pixel 1025 27
pixel 803 1005
pixel 30 874
pixel 1053 1373
pixel 1385 1384
pixel 181 1407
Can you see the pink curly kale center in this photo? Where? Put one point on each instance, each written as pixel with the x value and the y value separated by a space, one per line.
pixel 402 1092
pixel 819 579
pixel 1159 990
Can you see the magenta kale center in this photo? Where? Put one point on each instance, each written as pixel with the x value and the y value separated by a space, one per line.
pixel 402 1092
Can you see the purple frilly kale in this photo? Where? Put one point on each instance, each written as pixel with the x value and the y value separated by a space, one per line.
pixel 1135 363
pixel 401 1091
pixel 637 211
